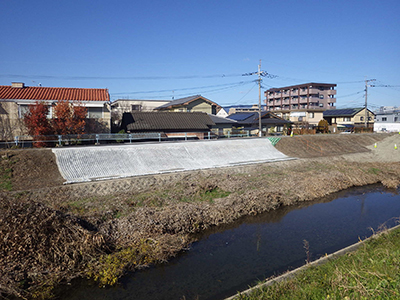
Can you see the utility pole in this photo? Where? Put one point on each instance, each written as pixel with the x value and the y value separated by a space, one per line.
pixel 259 80
pixel 366 103
pixel 259 100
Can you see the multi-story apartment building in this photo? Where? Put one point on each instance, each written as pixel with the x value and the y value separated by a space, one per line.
pixel 301 97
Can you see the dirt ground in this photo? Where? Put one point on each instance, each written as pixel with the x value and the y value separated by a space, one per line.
pixel 37 168
pixel 128 223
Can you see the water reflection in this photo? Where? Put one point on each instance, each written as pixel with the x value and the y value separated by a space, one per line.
pixel 231 257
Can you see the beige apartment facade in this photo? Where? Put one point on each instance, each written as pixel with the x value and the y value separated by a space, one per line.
pixel 308 96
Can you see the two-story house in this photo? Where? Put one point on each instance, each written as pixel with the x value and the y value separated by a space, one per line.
pixel 349 118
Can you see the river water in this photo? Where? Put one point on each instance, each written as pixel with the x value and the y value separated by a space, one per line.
pixel 231 258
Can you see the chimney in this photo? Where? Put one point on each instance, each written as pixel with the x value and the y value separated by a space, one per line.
pixel 19 85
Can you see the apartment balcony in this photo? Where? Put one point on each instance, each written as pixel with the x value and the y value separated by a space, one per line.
pixel 294 92
pixel 303 92
pixel 303 100
pixel 331 92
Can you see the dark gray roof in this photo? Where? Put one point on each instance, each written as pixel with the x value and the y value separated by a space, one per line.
pixel 221 120
pixel 252 118
pixel 166 121
pixel 347 112
pixel 183 101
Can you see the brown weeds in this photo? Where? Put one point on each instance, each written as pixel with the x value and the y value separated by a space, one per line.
pixel 40 246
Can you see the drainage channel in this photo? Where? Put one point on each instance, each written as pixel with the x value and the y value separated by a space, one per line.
pixel 231 258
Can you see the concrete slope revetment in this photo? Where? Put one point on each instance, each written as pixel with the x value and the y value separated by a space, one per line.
pixel 109 162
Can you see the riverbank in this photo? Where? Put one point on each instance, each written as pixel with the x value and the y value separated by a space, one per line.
pixel 56 232
pixel 367 270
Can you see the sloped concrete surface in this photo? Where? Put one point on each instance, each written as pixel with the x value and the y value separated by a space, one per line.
pixel 108 162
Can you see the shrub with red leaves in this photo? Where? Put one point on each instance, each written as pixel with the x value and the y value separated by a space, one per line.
pixel 37 123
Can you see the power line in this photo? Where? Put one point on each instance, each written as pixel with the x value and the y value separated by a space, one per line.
pixel 233 84
pixel 118 77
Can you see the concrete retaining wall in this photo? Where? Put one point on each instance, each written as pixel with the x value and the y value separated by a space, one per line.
pixel 108 162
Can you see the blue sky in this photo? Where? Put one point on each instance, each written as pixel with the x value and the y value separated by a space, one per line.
pixel 163 49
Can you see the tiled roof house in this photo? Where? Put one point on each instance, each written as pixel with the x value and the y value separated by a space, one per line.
pixel 191 104
pixel 15 99
pixel 167 123
pixel 250 121
pixel 349 117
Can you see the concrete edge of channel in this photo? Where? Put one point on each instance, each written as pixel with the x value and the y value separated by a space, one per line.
pixel 314 263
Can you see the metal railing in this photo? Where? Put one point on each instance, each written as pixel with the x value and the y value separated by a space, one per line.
pixel 114 138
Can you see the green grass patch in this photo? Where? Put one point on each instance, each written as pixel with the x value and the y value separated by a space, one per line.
pixel 110 267
pixel 374 171
pixel 6 174
pixel 371 272
pixel 79 206
pixel 209 196
pixel 5 179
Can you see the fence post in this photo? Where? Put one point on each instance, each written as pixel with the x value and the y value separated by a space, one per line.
pixel 159 137
pixel 16 138
pixel 209 135
pixel 248 133
pixel 59 140
pixel 130 138
pixel 229 134
pixel 97 139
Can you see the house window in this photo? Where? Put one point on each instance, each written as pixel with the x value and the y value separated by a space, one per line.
pixel 395 119
pixel 136 107
pixel 321 96
pixel 311 115
pixel 23 109
pixel 384 119
pixel 95 112
pixel 346 119
pixel 361 118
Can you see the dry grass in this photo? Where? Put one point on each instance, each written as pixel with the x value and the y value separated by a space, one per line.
pixel 41 246
pixel 105 228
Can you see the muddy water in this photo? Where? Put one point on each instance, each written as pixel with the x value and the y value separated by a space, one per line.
pixel 231 258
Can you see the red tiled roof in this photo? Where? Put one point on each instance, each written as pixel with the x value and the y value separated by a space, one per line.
pixel 52 93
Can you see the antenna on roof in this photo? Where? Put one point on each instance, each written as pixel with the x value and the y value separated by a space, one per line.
pixel 173 95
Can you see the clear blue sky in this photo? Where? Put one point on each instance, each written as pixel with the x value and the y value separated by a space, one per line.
pixel 163 49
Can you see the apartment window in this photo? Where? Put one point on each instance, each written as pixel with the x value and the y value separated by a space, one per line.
pixel 95 112
pixel 395 119
pixel 311 115
pixel 384 119
pixel 321 96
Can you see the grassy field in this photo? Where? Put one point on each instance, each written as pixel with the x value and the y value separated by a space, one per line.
pixel 371 272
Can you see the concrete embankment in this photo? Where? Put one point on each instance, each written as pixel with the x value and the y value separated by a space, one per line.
pixel 108 162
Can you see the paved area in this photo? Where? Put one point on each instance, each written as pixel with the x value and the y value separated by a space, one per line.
pixel 109 162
